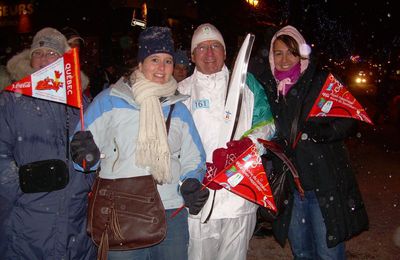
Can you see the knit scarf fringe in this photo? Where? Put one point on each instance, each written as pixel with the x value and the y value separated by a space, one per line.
pixel 152 149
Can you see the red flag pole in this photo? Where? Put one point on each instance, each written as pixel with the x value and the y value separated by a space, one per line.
pixel 77 74
pixel 176 212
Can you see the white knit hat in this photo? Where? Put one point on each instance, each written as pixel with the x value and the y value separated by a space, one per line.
pixel 50 38
pixel 206 32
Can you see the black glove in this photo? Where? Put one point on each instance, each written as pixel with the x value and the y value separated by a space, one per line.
pixel 83 148
pixel 194 196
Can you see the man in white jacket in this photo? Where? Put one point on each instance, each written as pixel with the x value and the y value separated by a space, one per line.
pixel 231 218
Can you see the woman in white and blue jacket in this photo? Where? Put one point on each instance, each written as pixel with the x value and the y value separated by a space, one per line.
pixel 126 136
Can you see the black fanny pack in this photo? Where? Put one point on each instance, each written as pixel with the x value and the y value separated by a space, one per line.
pixel 43 176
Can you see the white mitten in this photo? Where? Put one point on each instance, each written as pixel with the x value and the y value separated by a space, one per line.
pixel 260 148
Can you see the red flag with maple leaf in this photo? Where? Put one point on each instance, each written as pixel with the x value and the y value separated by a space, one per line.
pixel 59 81
pixel 335 100
pixel 246 177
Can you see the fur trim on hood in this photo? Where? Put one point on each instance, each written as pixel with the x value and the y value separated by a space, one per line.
pixel 5 78
pixel 84 81
pixel 304 48
pixel 19 66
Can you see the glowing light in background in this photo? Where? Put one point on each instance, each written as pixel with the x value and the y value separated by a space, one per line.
pixel 24 23
pixel 253 3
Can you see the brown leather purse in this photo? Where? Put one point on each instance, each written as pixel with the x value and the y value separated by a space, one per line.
pixel 125 214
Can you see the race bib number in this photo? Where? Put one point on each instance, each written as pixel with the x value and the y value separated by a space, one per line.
pixel 201 104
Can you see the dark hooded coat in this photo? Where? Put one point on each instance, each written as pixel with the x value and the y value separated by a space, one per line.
pixel 46 225
pixel 320 157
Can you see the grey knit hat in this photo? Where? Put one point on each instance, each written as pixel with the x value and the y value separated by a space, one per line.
pixel 50 38
pixel 155 40
pixel 71 34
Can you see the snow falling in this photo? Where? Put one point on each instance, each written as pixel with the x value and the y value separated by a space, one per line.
pixel 347 36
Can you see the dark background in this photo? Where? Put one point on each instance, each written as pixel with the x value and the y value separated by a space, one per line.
pixel 336 29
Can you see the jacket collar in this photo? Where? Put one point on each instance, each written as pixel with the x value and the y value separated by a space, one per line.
pixel 123 90
pixel 219 75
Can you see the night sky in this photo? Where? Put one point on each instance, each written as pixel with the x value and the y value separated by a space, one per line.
pixel 338 28
pixel 366 28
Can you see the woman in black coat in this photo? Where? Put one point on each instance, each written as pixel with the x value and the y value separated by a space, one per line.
pixel 332 210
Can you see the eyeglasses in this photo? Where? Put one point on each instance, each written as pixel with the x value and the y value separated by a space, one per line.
pixel 213 46
pixel 48 55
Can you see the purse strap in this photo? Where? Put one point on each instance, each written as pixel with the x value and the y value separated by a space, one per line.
pixel 168 122
pixel 278 151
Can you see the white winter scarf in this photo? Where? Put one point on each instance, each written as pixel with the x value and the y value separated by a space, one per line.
pixel 152 148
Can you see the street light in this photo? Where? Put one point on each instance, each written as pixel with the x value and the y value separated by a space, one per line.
pixel 253 3
pixel 137 22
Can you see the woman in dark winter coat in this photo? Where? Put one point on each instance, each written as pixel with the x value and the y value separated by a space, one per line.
pixel 332 210
pixel 40 225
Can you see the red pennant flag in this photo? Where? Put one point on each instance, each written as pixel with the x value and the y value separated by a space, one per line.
pixel 246 177
pixel 336 101
pixel 58 82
